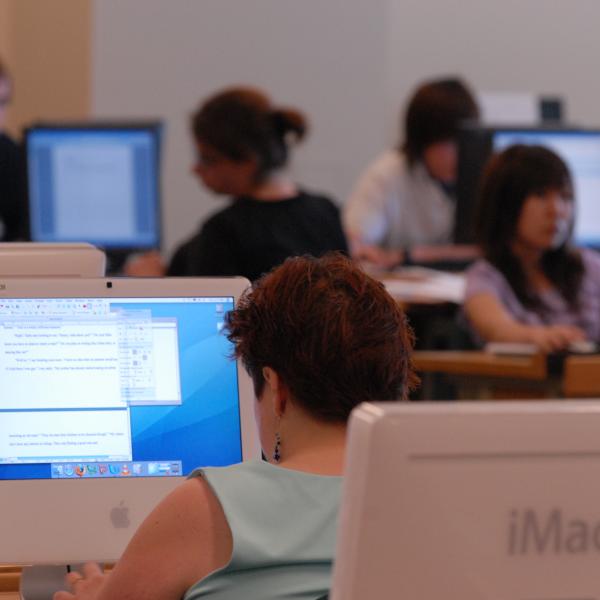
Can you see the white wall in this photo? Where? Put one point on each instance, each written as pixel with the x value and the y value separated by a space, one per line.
pixel 159 57
pixel 349 64
pixel 544 46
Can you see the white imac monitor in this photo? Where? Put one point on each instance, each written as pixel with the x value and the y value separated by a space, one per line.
pixel 112 391
pixel 31 259
pixel 471 500
pixel 96 182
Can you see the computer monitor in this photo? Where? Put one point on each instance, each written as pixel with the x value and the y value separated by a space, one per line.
pixel 96 183
pixel 470 500
pixel 31 259
pixel 579 148
pixel 112 391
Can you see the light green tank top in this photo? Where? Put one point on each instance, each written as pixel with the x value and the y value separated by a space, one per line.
pixel 283 524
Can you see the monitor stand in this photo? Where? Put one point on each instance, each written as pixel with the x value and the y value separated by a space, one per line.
pixel 39 582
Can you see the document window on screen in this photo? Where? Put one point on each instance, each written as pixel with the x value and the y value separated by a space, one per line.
pixel 111 387
pixel 70 371
pixel 95 183
pixel 97 180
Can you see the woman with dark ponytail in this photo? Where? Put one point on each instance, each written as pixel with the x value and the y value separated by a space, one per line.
pixel 243 144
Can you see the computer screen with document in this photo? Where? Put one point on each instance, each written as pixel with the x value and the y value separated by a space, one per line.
pixel 114 389
pixel 95 182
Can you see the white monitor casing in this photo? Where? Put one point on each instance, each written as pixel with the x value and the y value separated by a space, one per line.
pixel 37 259
pixel 62 521
pixel 471 500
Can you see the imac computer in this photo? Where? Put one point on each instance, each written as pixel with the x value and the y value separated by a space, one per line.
pixel 96 183
pixel 112 391
pixel 579 148
pixel 470 500
pixel 32 259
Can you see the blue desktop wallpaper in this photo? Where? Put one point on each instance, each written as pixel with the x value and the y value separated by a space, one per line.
pixel 205 429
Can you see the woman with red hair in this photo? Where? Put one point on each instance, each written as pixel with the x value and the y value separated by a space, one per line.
pixel 318 337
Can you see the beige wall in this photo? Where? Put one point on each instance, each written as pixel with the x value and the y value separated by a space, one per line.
pixel 5 29
pixel 47 46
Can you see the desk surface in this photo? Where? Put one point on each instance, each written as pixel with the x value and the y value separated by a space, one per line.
pixel 580 375
pixel 9 582
pixel 481 363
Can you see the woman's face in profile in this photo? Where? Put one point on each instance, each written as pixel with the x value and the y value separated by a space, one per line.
pixel 223 175
pixel 441 159
pixel 545 220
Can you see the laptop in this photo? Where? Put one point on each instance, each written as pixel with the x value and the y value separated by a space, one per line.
pixel 113 391
pixel 471 501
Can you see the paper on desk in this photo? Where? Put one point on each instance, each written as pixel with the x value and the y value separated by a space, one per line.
pixel 426 285
pixel 511 348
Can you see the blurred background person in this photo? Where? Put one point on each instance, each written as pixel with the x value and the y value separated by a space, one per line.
pixel 243 144
pixel 532 285
pixel 402 207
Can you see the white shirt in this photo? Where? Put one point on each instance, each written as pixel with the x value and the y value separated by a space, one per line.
pixel 394 205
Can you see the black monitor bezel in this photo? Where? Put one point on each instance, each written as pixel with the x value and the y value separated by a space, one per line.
pixel 153 126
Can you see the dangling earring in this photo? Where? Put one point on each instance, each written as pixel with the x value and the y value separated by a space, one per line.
pixel 277 450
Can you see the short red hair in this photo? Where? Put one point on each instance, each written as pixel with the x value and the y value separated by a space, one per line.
pixel 332 333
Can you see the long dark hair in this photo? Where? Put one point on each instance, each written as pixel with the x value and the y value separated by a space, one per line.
pixel 509 178
pixel 242 123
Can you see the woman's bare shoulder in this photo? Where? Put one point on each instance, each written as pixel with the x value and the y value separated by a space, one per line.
pixel 185 538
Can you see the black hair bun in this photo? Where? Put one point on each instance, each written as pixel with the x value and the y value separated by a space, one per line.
pixel 289 121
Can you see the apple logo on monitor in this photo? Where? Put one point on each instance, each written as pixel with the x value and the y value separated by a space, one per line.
pixel 119 516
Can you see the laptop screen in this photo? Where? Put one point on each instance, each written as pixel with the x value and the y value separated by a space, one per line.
pixel 116 387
